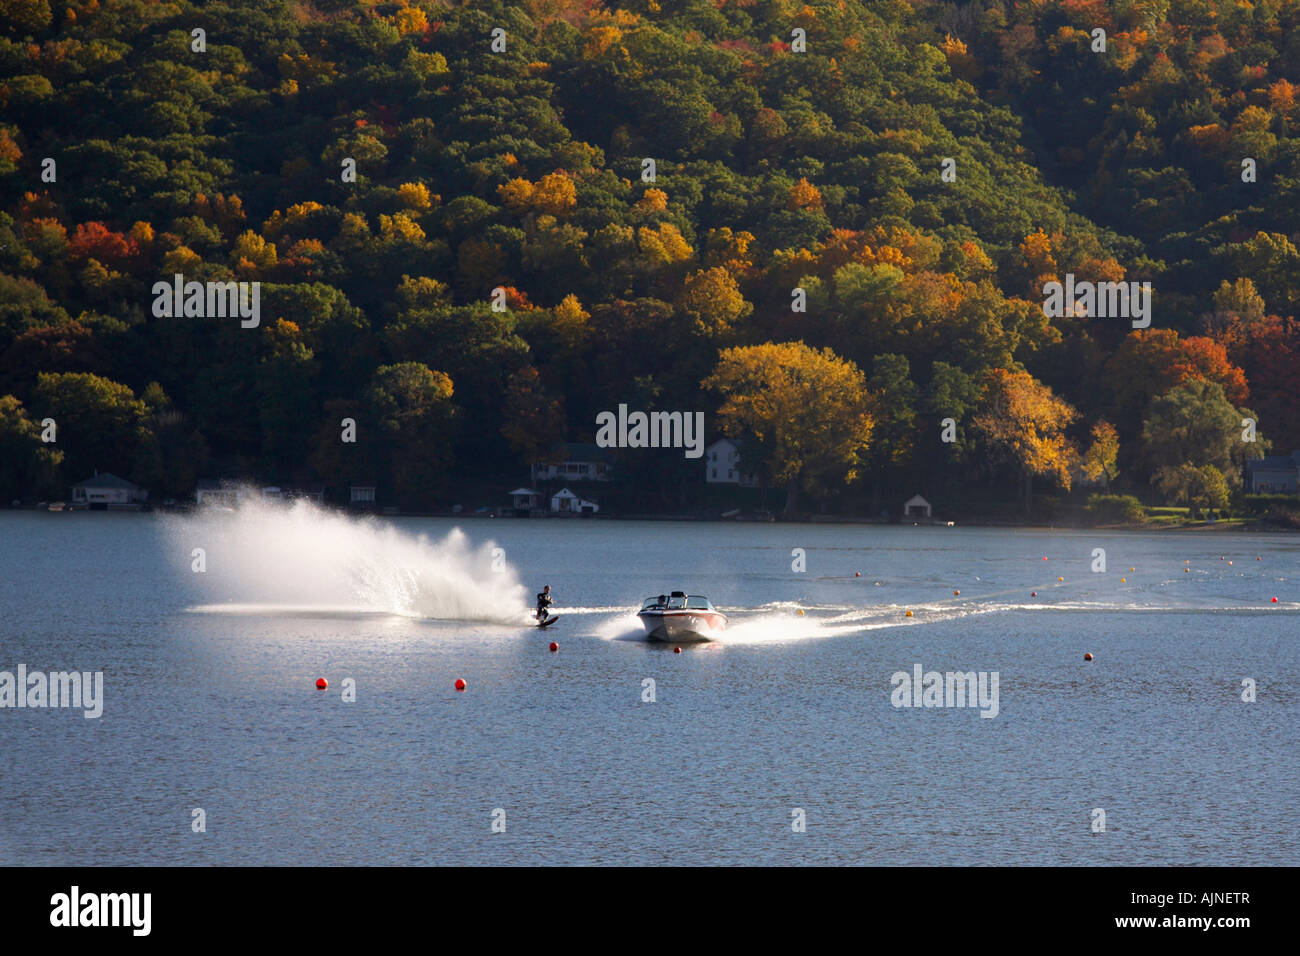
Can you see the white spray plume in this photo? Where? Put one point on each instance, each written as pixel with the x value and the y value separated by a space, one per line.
pixel 307 557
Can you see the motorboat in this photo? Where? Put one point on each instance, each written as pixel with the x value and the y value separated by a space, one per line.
pixel 679 617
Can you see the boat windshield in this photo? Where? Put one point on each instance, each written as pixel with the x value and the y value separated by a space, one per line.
pixel 694 602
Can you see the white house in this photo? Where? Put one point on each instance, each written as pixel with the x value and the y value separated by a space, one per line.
pixel 361 495
pixel 108 489
pixel 220 492
pixel 565 502
pixel 722 464
pixel 582 462
pixel 916 507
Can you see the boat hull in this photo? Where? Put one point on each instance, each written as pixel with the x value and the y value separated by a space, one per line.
pixel 681 627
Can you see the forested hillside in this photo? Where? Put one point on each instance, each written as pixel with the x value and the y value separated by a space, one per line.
pixel 911 174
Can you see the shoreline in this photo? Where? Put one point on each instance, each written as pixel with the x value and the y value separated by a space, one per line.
pixel 1227 526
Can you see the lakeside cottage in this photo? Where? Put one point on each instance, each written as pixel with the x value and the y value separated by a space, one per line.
pixel 916 507
pixel 565 502
pixel 582 462
pixel 525 500
pixel 722 464
pixel 1274 474
pixel 362 494
pixel 220 492
pixel 106 489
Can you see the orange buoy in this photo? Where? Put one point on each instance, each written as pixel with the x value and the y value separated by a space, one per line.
pixel 554 646
pixel 322 683
pixel 1230 564
pixel 1187 570
pixel 1123 580
pixel 677 650
pixel 909 613
pixel 801 612
pixel 956 593
pixel 1132 569
pixel 1087 657
pixel 1060 579
pixel 460 683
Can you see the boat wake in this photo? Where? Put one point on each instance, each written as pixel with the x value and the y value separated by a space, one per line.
pixel 781 621
pixel 270 558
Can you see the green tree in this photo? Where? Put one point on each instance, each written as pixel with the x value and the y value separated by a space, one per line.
pixel 534 422
pixel 28 466
pixel 893 402
pixel 409 405
pixel 101 424
pixel 1195 424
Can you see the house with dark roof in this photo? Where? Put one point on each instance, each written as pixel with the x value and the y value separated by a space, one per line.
pixel 581 462
pixel 106 489
pixel 1274 474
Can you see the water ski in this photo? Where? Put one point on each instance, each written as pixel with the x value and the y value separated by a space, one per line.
pixel 549 621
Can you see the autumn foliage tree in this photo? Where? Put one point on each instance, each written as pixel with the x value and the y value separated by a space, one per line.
pixel 806 410
pixel 1023 424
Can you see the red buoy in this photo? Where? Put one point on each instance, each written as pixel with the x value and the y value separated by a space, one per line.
pixel 1033 594
pixel 677 650
pixel 460 683
pixel 322 683
pixel 1274 600
pixel 857 574
pixel 554 646
pixel 1087 657
pixel 1044 557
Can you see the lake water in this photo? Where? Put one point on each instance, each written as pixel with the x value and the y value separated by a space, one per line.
pixel 209 694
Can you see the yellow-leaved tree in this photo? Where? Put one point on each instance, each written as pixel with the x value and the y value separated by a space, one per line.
pixel 1023 424
pixel 802 412
pixel 1099 460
